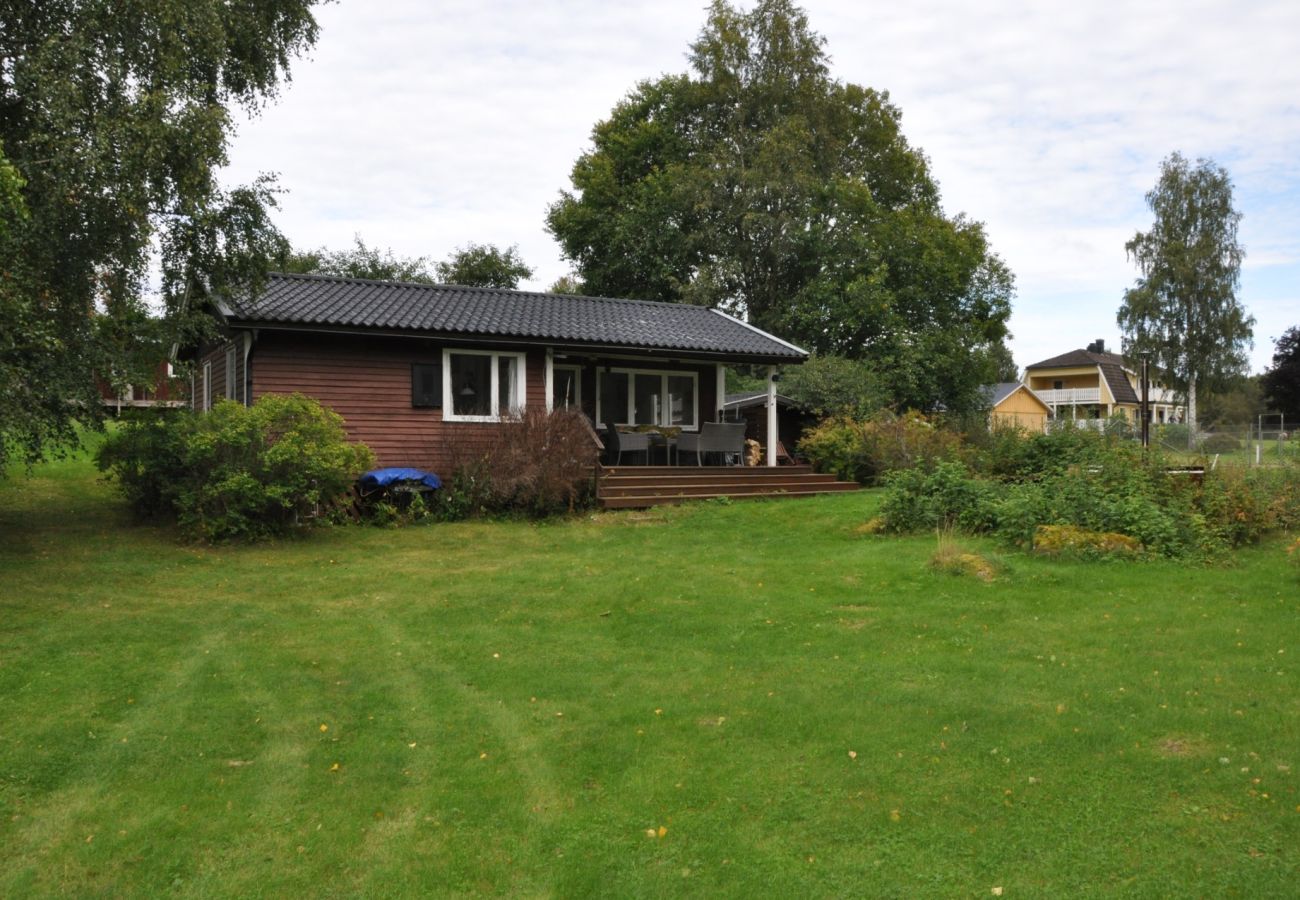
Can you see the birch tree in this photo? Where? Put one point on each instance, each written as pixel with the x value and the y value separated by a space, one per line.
pixel 1183 310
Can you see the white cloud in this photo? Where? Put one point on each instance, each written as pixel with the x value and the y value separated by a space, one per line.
pixel 424 126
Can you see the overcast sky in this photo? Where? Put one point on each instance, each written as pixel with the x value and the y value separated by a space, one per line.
pixel 424 126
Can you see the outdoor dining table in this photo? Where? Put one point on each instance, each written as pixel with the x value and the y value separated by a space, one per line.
pixel 667 443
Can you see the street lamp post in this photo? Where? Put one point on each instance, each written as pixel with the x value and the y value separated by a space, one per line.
pixel 1146 405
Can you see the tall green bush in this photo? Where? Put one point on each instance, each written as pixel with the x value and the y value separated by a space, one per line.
pixel 865 450
pixel 237 472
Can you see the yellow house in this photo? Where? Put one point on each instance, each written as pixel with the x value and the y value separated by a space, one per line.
pixel 1092 385
pixel 1015 405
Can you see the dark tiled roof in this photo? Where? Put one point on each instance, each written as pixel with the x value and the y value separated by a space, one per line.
pixel 306 301
pixel 1110 364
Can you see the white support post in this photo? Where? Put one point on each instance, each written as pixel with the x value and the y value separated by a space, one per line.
pixel 720 404
pixel 549 377
pixel 771 416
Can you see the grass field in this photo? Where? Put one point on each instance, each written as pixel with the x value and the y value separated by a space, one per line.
pixel 720 700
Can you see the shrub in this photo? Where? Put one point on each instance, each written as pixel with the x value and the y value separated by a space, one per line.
pixel 537 464
pixel 1173 435
pixel 1123 493
pixel 146 456
pixel 866 450
pixel 236 471
pixel 947 497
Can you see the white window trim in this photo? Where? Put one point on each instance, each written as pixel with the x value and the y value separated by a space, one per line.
pixel 663 392
pixel 207 386
pixel 577 385
pixel 521 381
pixel 231 367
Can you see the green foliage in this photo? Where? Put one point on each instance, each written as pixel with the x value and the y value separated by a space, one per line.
pixel 830 385
pixel 568 283
pixel 236 472
pixel 1235 404
pixel 1281 382
pixel 116 121
pixel 946 497
pixel 483 265
pixel 1184 310
pixel 538 464
pixel 865 450
pixel 360 261
pixel 1121 495
pixel 760 185
pixel 1095 485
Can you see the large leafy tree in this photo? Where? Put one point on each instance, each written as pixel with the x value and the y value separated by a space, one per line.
pixel 484 265
pixel 759 184
pixel 1281 382
pixel 474 265
pixel 359 261
pixel 1183 310
pixel 114 119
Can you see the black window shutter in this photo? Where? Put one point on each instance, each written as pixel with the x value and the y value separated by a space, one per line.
pixel 426 385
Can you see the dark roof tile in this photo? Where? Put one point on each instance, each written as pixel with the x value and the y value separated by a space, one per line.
pixel 320 300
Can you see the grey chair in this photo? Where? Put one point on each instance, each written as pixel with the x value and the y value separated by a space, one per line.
pixel 632 442
pixel 724 438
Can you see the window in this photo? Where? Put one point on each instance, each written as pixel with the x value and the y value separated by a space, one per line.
pixel 426 385
pixel 641 397
pixel 566 387
pixel 479 386
pixel 207 386
pixel 230 373
pixel 1058 385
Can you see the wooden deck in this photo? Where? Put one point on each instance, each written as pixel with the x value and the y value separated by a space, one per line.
pixel 637 487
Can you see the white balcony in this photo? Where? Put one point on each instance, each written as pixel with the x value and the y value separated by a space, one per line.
pixel 1070 396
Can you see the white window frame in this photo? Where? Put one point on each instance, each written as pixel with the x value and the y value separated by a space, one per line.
pixel 521 382
pixel 231 368
pixel 207 385
pixel 666 412
pixel 577 385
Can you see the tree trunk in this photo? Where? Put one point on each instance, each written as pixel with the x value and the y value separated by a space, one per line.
pixel 1191 411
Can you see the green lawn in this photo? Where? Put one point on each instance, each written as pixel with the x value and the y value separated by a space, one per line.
pixel 745 699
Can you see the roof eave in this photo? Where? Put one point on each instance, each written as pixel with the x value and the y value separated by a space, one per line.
pixel 518 340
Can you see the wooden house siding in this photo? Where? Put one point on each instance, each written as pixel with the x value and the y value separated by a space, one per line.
pixel 1022 410
pixel 216 357
pixel 368 382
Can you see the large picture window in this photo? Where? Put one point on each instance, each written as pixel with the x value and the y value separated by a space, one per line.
pixel 479 386
pixel 646 397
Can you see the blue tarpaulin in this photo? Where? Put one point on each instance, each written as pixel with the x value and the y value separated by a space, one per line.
pixel 384 478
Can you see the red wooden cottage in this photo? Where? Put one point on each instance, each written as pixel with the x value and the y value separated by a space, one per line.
pixel 415 369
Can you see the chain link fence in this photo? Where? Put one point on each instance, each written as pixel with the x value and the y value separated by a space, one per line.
pixel 1250 446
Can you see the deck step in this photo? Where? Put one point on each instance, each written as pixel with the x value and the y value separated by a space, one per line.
pixel 632 487
pixel 644 502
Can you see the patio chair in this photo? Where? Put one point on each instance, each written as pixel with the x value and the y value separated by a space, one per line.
pixel 617 443
pixel 724 438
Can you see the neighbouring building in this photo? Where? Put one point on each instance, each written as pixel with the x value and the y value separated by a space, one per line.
pixel 1014 404
pixel 1089 386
